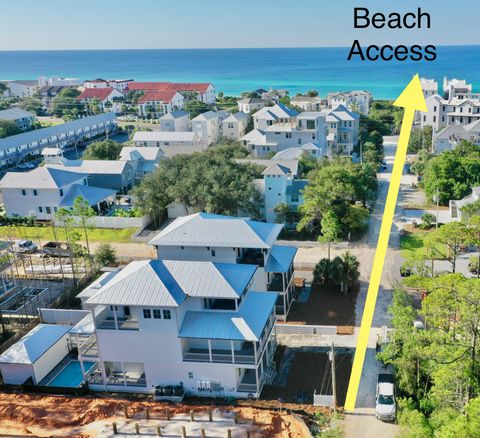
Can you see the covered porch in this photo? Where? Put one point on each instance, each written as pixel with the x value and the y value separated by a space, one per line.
pixel 122 374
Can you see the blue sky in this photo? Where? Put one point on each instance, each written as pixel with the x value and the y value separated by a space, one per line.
pixel 128 24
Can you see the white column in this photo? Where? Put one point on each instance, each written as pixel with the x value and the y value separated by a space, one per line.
pixel 256 376
pixel 210 350
pixel 255 351
pixel 124 375
pixel 82 367
pixel 115 317
pixel 233 351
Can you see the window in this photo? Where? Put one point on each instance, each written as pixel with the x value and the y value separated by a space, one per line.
pixel 147 314
pixel 167 314
pixel 190 375
pixel 24 192
pixel 49 210
pixel 40 209
pixel 35 193
pixel 61 192
pixel 126 310
pixel 213 253
pixel 157 314
pixel 288 135
pixel 310 124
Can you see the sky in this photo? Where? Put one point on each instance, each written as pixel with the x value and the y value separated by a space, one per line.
pixel 150 24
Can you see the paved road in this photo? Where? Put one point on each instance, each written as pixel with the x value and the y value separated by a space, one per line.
pixel 362 422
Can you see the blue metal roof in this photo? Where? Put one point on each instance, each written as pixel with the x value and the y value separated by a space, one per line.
pixel 93 195
pixel 245 325
pixel 280 258
pixel 238 276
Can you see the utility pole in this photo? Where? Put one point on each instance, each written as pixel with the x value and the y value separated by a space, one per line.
pixel 361 155
pixel 334 378
pixel 438 200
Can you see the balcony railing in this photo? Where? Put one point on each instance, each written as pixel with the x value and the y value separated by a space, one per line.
pixel 122 324
pixel 204 356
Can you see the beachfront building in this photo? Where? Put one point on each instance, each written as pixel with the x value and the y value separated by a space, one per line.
pixel 457 88
pixel 456 206
pixel 171 143
pixel 446 112
pixel 308 103
pixel 225 239
pixel 234 126
pixel 23 119
pixel 117 175
pixel 175 121
pixel 204 92
pixel 356 101
pixel 342 131
pixel 22 88
pixel 16 148
pixel 272 115
pixel 143 160
pixel 108 99
pixel 57 81
pixel 155 104
pixel 249 105
pixel 207 127
pixel 42 191
pixel 120 85
pixel 429 87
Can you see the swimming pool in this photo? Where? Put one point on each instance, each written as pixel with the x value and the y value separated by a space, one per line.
pixel 71 375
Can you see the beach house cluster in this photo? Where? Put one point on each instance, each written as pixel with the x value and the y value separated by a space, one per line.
pixel 454 116
pixel 199 319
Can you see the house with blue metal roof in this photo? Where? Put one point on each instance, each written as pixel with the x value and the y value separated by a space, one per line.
pixel 234 240
pixel 42 191
pixel 169 322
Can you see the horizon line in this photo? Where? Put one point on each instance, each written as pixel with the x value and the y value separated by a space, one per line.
pixel 208 48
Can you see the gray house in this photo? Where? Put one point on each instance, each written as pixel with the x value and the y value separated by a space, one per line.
pixel 108 174
pixel 23 119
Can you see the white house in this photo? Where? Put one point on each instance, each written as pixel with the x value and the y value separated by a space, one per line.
pixel 144 160
pixel 342 131
pixel 34 355
pixel 429 87
pixel 22 89
pixel 457 88
pixel 225 239
pixel 42 191
pixel 272 115
pixel 57 81
pixel 307 103
pixel 175 121
pixel 171 143
pixel 107 98
pixel 118 84
pixel 249 105
pixel 194 324
pixel 456 206
pixel 356 101
pixel 158 103
pixel 234 126
pixel 23 119
pixel 449 137
pixel 207 127
pixel 295 153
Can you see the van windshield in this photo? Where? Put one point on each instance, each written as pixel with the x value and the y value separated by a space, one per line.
pixel 385 399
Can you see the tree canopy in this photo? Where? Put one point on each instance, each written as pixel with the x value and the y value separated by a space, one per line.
pixel 102 150
pixel 210 181
pixel 8 128
pixel 453 173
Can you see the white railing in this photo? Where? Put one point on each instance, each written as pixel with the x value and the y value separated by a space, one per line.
pixel 303 329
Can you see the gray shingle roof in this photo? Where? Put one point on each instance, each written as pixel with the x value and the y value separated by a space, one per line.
pixel 13 114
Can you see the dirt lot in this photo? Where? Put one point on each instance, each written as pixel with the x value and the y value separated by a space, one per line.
pixel 309 371
pixel 325 306
pixel 88 417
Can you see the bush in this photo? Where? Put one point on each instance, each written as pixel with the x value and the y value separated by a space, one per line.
pixel 428 220
pixel 474 265
pixel 105 255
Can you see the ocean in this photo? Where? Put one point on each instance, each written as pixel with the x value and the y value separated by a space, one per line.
pixel 236 70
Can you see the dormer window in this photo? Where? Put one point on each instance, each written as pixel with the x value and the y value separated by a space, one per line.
pixel 61 192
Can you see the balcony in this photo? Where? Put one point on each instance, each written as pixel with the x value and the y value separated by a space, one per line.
pixel 245 355
pixel 248 382
pixel 252 257
pixel 121 324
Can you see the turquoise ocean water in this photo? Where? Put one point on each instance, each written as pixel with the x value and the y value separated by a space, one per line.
pixel 237 70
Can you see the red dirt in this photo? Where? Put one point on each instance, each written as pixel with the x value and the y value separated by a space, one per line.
pixel 44 415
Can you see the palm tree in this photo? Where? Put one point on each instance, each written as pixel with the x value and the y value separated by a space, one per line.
pixel 345 271
pixel 322 272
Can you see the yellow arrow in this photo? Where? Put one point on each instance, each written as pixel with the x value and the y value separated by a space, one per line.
pixel 412 100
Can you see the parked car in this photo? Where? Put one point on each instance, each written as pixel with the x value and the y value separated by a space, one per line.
pixel 24 246
pixel 385 407
pixel 57 249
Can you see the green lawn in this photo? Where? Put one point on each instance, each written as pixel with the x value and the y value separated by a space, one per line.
pixel 46 234
pixel 412 246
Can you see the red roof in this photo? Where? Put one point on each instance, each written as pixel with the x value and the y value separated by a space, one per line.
pixel 95 93
pixel 163 96
pixel 199 87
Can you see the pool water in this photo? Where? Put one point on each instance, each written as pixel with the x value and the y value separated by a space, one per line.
pixel 71 374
